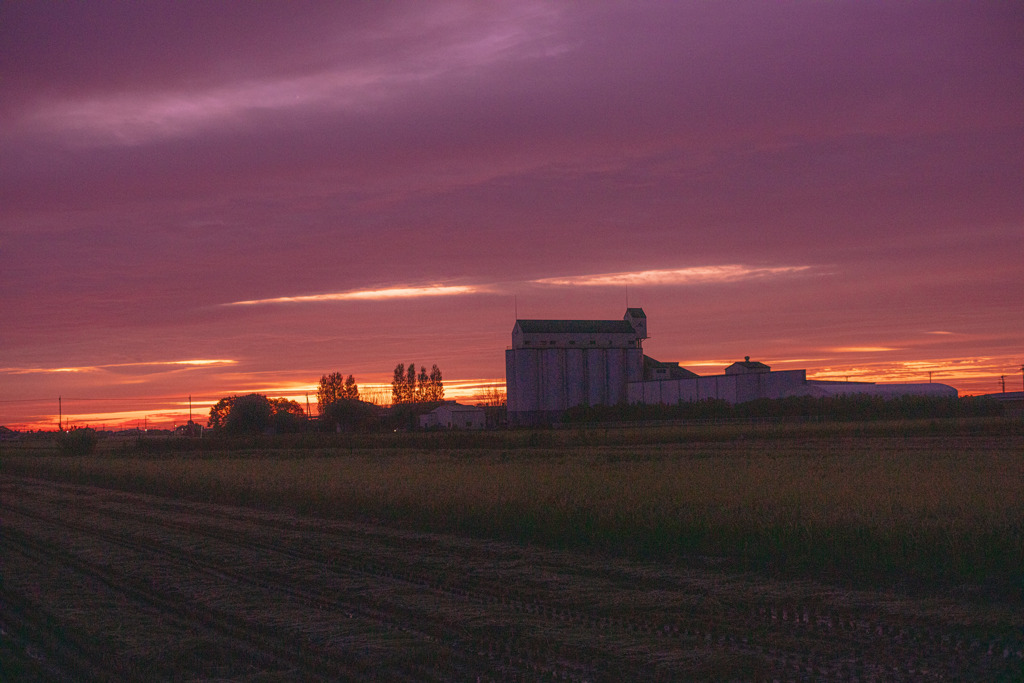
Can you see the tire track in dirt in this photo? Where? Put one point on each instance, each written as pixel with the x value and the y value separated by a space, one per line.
pixel 529 610
pixel 163 609
pixel 191 559
pixel 914 645
pixel 232 617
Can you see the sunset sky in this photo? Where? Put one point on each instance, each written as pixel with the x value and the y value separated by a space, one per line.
pixel 209 198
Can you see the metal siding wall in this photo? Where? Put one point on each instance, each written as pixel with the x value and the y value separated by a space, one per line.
pixel 702 387
pixel 553 379
pixel 688 389
pixel 747 387
pixel 511 391
pixel 596 364
pixel 670 392
pixel 575 378
pixel 634 365
pixel 615 375
pixel 527 374
pixel 778 383
pixel 729 388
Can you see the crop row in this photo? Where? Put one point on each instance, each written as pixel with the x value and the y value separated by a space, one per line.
pixel 658 611
pixel 920 512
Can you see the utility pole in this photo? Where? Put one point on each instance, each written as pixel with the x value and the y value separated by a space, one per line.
pixel 60 415
pixel 929 377
pixel 190 410
pixel 1002 379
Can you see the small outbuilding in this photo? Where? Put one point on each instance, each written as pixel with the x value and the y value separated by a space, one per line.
pixel 452 415
pixel 746 367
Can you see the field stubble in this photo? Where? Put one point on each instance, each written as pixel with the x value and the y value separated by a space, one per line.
pixel 106 585
pixel 869 551
pixel 917 512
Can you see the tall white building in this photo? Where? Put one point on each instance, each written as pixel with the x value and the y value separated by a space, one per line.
pixel 554 365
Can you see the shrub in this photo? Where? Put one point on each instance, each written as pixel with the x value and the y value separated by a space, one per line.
pixel 78 441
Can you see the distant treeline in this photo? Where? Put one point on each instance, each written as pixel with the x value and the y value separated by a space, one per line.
pixel 843 408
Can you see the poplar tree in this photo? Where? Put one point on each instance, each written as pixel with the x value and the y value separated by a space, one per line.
pixel 408 386
pixel 399 394
pixel 423 385
pixel 436 388
pixel 410 383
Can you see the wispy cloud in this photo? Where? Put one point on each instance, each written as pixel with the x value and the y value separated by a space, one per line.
pixel 677 276
pixel 979 372
pixel 132 117
pixel 369 294
pixel 863 349
pixel 94 368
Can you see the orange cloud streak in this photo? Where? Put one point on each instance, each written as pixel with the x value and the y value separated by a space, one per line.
pixel 94 368
pixel 679 276
pixel 369 294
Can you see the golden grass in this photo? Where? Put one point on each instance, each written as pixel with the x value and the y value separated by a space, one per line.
pixel 927 510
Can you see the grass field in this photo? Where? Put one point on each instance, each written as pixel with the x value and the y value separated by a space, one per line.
pixel 920 506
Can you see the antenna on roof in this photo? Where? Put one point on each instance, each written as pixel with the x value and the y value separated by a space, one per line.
pixel 515 299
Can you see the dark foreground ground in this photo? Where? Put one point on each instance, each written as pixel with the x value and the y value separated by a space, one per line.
pixel 105 585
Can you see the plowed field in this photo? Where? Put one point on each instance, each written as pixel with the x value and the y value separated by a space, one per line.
pixel 106 585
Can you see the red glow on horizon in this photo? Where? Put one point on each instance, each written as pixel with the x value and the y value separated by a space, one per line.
pixel 262 193
pixel 971 377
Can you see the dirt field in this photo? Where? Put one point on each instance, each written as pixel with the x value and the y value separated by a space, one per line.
pixel 105 585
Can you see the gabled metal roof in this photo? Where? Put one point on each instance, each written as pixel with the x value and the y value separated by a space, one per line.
pixel 575 326
pixel 749 364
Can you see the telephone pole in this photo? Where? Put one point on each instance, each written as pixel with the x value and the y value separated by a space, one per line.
pixel 60 415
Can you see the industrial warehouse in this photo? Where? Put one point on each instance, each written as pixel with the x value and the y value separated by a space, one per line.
pixel 554 365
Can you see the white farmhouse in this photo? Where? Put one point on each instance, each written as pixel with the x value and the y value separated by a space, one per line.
pixel 452 415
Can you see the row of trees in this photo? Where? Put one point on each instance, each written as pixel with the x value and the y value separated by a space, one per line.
pixel 255 413
pixel 336 387
pixel 410 387
pixel 338 403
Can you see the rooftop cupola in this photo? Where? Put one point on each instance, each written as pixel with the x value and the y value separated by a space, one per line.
pixel 638 319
